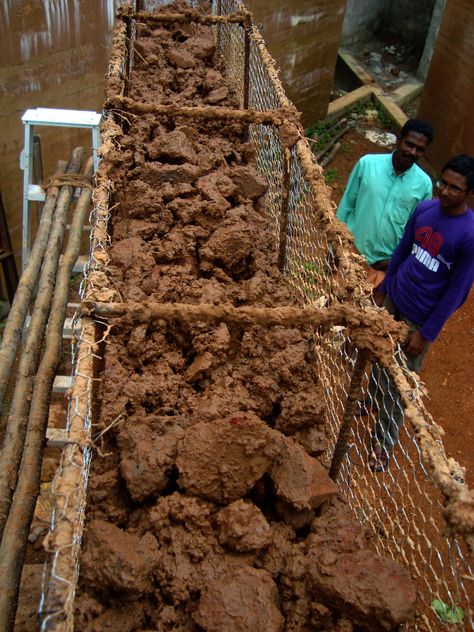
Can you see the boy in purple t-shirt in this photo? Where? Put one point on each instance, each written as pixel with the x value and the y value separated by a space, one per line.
pixel 429 277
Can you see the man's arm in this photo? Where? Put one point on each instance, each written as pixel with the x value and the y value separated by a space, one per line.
pixel 460 283
pixel 349 199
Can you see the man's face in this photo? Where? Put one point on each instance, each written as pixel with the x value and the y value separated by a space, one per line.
pixel 410 148
pixel 452 189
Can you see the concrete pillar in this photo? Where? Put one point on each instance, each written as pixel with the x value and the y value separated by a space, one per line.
pixel 431 38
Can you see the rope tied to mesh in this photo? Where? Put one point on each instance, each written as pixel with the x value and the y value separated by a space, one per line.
pixel 71 179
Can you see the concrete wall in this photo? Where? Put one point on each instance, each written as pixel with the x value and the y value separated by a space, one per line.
pixel 408 20
pixel 448 94
pixel 431 39
pixel 303 37
pixel 362 18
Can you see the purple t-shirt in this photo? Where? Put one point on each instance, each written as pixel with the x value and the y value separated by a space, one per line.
pixel 432 269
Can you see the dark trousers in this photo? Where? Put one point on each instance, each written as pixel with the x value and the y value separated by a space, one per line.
pixel 388 404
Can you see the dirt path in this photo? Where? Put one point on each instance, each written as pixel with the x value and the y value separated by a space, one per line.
pixel 448 368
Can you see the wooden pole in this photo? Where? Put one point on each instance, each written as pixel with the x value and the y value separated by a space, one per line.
pixel 17 527
pixel 12 449
pixel 353 396
pixel 16 318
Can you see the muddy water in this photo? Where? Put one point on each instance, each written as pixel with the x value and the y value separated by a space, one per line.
pixel 53 54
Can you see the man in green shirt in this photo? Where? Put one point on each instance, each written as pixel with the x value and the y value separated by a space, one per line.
pixel 382 193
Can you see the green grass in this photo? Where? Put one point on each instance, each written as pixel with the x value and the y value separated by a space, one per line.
pixel 331 175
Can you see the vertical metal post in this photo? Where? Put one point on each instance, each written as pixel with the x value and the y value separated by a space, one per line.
pixel 219 30
pixel 285 203
pixel 37 168
pixel 95 146
pixel 25 164
pixel 349 410
pixel 246 27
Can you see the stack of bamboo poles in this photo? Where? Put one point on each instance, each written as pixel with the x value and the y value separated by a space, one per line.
pixel 36 353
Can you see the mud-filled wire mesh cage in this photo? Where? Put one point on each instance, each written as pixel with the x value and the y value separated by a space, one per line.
pixel 403 507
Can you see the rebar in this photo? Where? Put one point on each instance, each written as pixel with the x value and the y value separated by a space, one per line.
pixel 345 429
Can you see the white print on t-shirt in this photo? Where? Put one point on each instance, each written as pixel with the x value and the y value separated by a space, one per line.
pixel 446 263
pixel 424 257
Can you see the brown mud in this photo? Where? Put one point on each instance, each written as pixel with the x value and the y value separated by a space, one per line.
pixel 208 507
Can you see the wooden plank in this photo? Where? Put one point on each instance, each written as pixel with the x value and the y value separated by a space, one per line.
pixel 407 92
pixel 68 329
pixel 56 437
pixel 62 383
pixel 80 263
pixel 392 110
pixel 339 105
pixel 360 72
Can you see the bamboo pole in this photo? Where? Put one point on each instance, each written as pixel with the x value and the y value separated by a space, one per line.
pixel 17 527
pixel 17 420
pixel 16 318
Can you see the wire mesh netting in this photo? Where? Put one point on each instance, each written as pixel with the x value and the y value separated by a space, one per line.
pixel 402 505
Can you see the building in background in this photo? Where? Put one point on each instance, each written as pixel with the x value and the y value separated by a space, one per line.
pixel 303 36
pixel 447 97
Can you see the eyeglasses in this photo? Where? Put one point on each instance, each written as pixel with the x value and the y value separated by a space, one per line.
pixel 442 184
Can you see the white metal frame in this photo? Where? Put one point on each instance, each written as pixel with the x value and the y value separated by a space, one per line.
pixel 49 117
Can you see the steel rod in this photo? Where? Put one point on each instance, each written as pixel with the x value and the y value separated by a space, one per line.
pixel 345 429
pixel 285 204
pixel 247 26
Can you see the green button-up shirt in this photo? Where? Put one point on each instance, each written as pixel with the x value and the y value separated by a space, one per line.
pixel 377 204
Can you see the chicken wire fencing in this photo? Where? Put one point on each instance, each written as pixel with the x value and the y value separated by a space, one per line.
pixel 403 506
